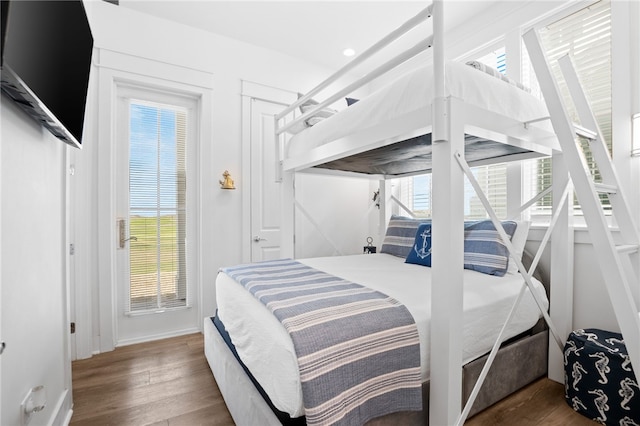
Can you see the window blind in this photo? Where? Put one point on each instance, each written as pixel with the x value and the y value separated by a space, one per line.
pixel 586 36
pixel 157 207
pixel 415 192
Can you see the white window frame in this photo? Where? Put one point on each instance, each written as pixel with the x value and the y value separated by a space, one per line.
pixel 542 215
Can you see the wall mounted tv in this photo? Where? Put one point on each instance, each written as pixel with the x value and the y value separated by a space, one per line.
pixel 46 59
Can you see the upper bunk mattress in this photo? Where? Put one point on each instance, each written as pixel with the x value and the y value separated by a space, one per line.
pixel 267 350
pixel 412 94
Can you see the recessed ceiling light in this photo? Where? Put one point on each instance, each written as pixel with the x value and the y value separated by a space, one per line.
pixel 348 52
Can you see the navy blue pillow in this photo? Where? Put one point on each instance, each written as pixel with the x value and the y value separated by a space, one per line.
pixel 420 253
pixel 351 101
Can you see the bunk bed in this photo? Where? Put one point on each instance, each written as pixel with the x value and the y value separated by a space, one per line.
pixel 425 121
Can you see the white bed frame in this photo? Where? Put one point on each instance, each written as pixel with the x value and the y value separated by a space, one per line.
pixel 448 121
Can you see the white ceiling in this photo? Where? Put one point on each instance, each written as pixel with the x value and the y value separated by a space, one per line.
pixel 316 31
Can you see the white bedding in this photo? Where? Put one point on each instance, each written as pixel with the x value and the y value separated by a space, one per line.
pixel 414 91
pixel 267 350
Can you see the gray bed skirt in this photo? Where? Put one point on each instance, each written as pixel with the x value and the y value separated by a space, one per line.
pixel 516 365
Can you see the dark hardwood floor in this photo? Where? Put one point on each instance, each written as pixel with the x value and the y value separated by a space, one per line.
pixel 168 382
pixel 540 403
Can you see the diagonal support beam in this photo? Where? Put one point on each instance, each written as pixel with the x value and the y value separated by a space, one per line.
pixel 507 241
pixel 526 275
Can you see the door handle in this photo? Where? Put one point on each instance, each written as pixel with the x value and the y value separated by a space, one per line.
pixel 122 234
pixel 257 239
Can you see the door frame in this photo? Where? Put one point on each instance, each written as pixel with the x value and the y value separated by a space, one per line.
pixel 99 306
pixel 251 91
pixel 137 327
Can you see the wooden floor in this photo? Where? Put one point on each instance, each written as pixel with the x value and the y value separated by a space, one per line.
pixel 168 382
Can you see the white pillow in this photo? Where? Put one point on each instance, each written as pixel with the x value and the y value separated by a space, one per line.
pixel 317 116
pixel 518 240
pixel 298 127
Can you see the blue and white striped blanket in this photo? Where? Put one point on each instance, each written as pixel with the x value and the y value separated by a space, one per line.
pixel 358 350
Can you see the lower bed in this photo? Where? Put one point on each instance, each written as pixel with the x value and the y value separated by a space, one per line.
pixel 264 346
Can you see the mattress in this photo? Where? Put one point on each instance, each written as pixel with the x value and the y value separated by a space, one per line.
pixel 414 91
pixel 267 350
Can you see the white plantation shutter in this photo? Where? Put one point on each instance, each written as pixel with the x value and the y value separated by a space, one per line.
pixel 586 36
pixel 415 192
pixel 157 205
pixel 493 180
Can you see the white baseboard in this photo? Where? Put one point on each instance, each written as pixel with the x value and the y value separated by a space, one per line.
pixel 63 410
pixel 160 336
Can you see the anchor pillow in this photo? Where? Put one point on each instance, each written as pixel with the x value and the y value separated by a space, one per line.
pixel 420 253
pixel 484 250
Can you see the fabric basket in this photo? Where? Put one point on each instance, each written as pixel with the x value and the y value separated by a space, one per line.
pixel 599 381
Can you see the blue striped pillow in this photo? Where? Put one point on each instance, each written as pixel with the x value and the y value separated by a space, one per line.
pixel 484 250
pixel 400 235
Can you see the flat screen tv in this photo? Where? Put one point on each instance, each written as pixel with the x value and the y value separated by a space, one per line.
pixel 46 60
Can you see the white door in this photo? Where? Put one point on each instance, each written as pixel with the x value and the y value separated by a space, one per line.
pixel 265 182
pixel 155 226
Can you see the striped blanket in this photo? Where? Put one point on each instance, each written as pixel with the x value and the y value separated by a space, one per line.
pixel 358 350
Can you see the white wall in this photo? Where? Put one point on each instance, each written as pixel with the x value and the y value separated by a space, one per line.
pixel 339 206
pixel 34 305
pixel 229 62
pixel 591 305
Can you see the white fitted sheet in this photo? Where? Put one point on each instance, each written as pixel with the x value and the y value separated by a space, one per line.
pixel 265 347
pixel 414 91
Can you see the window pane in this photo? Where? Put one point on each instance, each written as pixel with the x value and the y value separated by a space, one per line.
pixel 586 36
pixel 157 200
pixel 415 192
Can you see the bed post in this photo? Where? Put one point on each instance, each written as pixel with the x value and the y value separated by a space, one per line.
pixel 561 268
pixel 287 203
pixel 513 48
pixel 384 212
pixel 448 215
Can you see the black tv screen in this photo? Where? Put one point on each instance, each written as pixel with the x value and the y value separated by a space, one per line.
pixel 46 60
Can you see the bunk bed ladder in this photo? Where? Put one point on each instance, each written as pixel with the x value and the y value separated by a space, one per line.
pixel 616 260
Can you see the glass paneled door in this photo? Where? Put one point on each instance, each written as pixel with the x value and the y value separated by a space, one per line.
pixel 155 295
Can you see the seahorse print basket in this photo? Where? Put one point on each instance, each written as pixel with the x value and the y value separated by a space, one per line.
pixel 599 381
